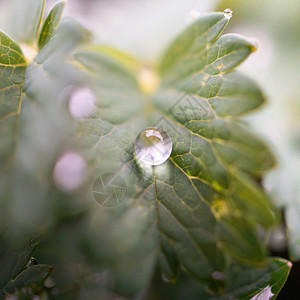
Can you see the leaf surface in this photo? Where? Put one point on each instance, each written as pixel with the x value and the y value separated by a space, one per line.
pixel 204 200
pixel 12 76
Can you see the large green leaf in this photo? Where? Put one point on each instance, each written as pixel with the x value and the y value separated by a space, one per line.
pixel 204 201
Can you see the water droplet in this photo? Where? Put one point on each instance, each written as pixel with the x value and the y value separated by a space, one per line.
pixel 82 103
pixel 228 13
pixel 153 146
pixel 69 171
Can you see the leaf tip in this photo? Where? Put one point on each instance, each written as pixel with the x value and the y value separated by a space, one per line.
pixel 253 45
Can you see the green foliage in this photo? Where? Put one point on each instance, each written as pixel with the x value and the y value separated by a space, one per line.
pixel 16 273
pixel 50 24
pixel 244 283
pixel 202 211
pixel 27 20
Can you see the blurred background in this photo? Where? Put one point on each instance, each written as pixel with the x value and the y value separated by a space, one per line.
pixel 145 27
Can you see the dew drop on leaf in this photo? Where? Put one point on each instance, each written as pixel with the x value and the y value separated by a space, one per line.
pixel 228 13
pixel 153 146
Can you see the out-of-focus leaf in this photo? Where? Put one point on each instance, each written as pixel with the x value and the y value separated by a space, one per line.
pixel 293 223
pixel 178 212
pixel 13 271
pixel 124 58
pixel 15 259
pixel 34 130
pixel 50 24
pixel 33 124
pixel 35 275
pixel 67 37
pixel 12 75
pixel 27 21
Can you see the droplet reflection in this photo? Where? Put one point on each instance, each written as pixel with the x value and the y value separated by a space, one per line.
pixel 228 13
pixel 153 146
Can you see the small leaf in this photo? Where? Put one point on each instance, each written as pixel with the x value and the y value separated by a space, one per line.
pixel 35 275
pixel 50 24
pixel 68 35
pixel 15 259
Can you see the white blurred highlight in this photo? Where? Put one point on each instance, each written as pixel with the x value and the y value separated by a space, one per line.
pixel 265 294
pixel 69 171
pixel 192 16
pixel 137 27
pixel 82 103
